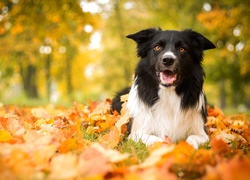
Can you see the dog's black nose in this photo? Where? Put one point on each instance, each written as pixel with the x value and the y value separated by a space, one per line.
pixel 168 60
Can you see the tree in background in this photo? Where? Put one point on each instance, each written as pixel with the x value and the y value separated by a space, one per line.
pixel 45 44
pixel 31 34
pixel 229 21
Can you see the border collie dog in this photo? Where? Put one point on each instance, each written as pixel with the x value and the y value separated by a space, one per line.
pixel 166 98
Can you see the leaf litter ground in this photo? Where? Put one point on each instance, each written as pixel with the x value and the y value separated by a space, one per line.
pixel 90 142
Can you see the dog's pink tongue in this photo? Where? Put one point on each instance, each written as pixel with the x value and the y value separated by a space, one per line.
pixel 167 77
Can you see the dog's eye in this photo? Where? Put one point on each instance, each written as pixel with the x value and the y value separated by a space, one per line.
pixel 182 50
pixel 157 48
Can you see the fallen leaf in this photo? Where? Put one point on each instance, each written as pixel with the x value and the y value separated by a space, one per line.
pixel 219 146
pixel 93 163
pixel 111 139
pixel 113 156
pixel 5 136
pixel 102 108
pixel 63 166
pixel 124 119
pixel 40 113
pixel 156 156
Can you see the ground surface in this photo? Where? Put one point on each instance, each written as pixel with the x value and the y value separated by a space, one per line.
pixel 88 142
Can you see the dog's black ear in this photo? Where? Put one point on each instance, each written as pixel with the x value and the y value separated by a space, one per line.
pixel 199 40
pixel 142 38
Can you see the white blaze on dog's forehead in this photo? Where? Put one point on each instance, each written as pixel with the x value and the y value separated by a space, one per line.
pixel 169 54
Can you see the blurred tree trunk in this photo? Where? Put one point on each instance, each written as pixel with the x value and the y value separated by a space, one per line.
pixel 222 91
pixel 48 75
pixel 29 78
pixel 68 76
pixel 120 29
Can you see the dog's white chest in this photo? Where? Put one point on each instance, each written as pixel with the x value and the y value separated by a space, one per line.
pixel 164 118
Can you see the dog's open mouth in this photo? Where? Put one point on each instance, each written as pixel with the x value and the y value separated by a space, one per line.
pixel 167 77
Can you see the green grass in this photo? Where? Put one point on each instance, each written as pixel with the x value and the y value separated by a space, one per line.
pixel 137 150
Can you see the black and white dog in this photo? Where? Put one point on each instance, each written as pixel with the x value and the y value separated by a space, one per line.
pixel 166 97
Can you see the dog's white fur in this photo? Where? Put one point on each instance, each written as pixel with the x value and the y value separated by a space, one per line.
pixel 166 118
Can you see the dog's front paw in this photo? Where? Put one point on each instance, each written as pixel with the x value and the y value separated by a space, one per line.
pixel 195 140
pixel 146 138
pixel 151 139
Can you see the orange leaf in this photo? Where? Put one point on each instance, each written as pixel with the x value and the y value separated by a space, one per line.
pixel 215 111
pixel 102 108
pixel 183 152
pixel 70 145
pixel 235 169
pixel 21 164
pixel 111 139
pixel 219 146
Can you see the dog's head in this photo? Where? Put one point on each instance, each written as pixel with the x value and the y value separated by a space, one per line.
pixel 171 54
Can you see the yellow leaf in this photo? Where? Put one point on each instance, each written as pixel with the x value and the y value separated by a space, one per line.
pixel 5 136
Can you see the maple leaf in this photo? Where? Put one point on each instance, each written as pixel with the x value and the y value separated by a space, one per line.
pixel 111 139
pixel 102 108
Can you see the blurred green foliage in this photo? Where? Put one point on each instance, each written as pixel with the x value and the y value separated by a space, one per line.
pixel 61 51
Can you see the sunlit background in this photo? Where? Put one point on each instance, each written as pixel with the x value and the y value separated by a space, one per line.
pixel 64 51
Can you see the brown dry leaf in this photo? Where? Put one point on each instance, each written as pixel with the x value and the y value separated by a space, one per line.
pixel 124 99
pixel 102 108
pixel 121 123
pixel 111 139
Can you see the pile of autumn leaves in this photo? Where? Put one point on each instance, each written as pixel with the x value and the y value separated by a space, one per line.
pixel 81 143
